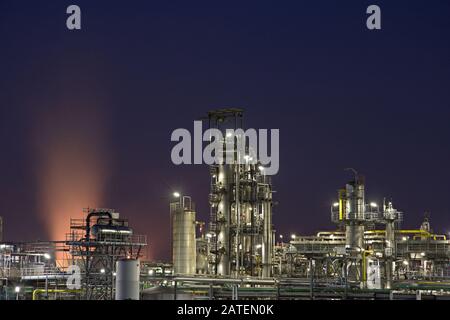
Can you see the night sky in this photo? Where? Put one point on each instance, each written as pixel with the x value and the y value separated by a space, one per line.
pixel 86 116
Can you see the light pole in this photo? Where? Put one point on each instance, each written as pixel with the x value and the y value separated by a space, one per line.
pixel 17 291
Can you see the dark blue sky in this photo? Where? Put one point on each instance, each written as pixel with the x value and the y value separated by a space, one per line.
pixel 86 116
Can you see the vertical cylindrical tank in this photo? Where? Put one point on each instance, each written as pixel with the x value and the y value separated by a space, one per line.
pixel 355 199
pixel 354 235
pixel 127 279
pixel 355 210
pixel 391 216
pixel 224 216
pixel 183 237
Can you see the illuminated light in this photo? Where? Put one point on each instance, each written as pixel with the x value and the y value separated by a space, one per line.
pixel 405 262
pixel 258 246
pixel 281 236
pixel 108 231
pixel 209 235
pixel 374 205
pixel 293 236
pixel 336 204
pixel 114 274
pixel 229 134
pixel 47 256
pixel 17 289
pixel 423 254
pixel 176 194
pixel 151 272
pixel 261 168
pixel 102 270
pixel 405 238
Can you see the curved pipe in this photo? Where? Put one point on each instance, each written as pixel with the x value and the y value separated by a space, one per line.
pixel 95 214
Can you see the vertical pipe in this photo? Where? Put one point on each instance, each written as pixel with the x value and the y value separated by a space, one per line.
pixel 267 238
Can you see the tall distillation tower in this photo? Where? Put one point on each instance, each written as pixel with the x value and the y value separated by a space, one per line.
pixel 354 216
pixel 240 204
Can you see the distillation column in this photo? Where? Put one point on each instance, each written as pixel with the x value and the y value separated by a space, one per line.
pixel 352 216
pixel 267 243
pixel 241 203
pixel 224 178
pixel 355 208
pixel 391 216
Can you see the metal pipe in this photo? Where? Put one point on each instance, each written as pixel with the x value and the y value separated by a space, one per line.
pixel 36 292
pixel 95 214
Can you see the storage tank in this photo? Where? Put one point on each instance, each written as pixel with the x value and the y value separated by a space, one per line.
pixel 127 279
pixel 183 236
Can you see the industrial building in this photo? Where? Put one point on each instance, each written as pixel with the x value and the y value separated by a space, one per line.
pixel 237 254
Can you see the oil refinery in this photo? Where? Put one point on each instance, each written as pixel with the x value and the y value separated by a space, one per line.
pixel 238 253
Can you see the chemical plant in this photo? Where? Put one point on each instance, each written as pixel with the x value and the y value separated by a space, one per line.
pixel 237 254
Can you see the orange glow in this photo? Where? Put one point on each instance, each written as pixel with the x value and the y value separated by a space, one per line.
pixel 72 165
pixel 68 185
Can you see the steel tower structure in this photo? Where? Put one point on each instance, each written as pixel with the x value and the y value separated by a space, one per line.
pixel 240 204
pixel 96 243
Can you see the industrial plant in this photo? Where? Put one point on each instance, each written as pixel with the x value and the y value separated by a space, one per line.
pixel 238 253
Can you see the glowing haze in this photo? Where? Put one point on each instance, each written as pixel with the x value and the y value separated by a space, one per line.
pixel 71 162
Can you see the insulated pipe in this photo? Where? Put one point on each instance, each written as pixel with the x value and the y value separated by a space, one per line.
pixel 226 280
pixel 95 214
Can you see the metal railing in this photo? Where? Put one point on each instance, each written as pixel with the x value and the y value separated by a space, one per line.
pixel 110 238
pixel 40 271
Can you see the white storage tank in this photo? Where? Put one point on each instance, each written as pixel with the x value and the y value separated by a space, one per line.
pixel 127 279
pixel 183 236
